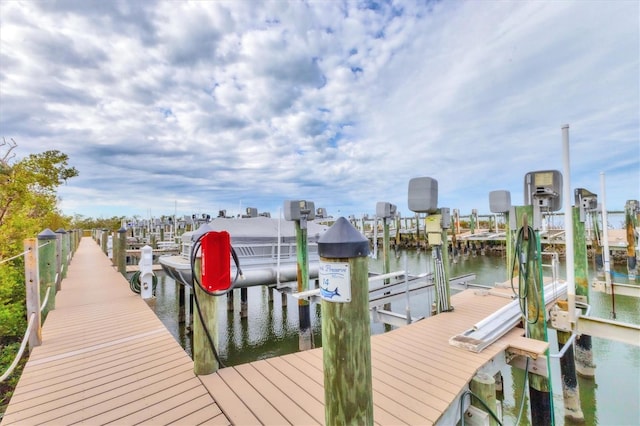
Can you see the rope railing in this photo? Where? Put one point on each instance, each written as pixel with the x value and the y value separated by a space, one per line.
pixel 23 346
pixel 9 259
pixel 46 298
pixel 14 257
pixel 32 280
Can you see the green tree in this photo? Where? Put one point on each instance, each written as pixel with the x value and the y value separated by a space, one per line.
pixel 28 204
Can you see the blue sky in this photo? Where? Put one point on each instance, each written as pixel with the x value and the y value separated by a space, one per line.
pixel 203 106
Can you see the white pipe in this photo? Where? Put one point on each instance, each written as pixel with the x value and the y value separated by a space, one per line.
pixel 605 232
pixel 278 249
pixel 568 224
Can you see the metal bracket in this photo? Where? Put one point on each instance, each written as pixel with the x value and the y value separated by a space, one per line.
pixel 537 365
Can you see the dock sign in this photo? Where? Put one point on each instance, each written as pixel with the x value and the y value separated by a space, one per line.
pixel 335 281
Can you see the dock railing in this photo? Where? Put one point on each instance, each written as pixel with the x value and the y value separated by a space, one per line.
pixel 46 259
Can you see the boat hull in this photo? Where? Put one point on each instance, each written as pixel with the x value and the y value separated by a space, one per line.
pixel 179 269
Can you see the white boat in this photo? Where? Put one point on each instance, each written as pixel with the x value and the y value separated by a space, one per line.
pixel 266 250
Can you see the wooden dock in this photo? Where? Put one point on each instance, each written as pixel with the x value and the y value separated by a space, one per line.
pixel 106 358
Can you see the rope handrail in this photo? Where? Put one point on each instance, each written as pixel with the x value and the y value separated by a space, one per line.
pixel 21 254
pixel 46 298
pixel 23 345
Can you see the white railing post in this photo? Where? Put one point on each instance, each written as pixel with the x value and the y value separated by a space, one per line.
pixel 146 272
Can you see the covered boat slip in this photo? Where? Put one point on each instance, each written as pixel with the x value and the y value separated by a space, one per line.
pixel 106 358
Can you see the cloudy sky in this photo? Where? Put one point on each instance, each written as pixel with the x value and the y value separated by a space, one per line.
pixel 202 106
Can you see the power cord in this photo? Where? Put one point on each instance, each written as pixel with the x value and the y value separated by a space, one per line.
pixel 526 233
pixel 195 280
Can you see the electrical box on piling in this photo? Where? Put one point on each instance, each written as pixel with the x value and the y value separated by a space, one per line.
pixel 543 191
pixel 423 195
pixel 216 261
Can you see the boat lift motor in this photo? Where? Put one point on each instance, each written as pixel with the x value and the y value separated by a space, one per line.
pixel 216 262
pixel 543 190
pixel 385 210
pixel 423 195
pixel 300 210
pixel 587 202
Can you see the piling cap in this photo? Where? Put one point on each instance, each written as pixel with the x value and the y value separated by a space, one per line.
pixel 122 230
pixel 60 231
pixel 47 234
pixel 343 241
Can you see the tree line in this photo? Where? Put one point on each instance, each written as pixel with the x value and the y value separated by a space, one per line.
pixel 28 205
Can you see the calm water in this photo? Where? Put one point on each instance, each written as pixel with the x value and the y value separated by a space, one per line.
pixel 613 398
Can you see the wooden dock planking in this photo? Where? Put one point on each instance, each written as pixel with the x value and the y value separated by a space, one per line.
pixel 417 374
pixel 106 357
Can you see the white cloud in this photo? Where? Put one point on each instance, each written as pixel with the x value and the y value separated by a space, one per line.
pixel 210 103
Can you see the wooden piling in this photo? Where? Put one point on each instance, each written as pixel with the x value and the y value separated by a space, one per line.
pixel 483 386
pixel 539 388
pixel 305 339
pixel 445 261
pixel 583 347
pixel 47 267
pixel 64 252
pixel 32 282
pixel 204 360
pixel 570 388
pixel 630 225
pixel 122 251
pixel 346 342
pixel 244 302
pixel 230 301
pixel 103 241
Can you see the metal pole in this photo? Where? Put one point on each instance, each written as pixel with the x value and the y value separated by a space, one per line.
pixel 568 224
pixel 605 232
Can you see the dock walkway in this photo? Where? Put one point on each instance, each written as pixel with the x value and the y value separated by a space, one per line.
pixel 106 358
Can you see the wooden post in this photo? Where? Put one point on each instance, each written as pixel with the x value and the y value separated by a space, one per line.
pixel 64 252
pixel 584 364
pixel 305 338
pixel 103 241
pixel 508 242
pixel 570 388
pixel 181 302
pixel 47 267
pixel 112 248
pixel 230 301
pixel 445 261
pixel 204 361
pixel 244 302
pixel 598 257
pixel 484 386
pixel 630 226
pixel 539 388
pixel 32 282
pixel 346 341
pixel 58 262
pixel 122 251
